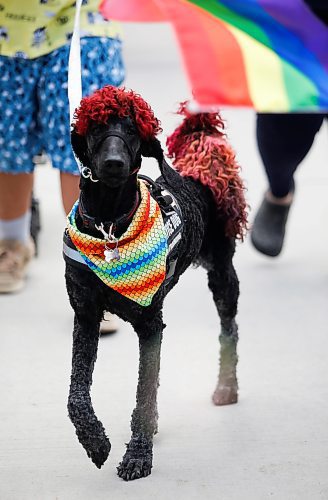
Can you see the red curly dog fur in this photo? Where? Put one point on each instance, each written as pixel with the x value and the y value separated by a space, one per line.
pixel 113 101
pixel 199 150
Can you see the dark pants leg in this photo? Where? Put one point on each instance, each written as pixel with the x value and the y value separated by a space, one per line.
pixel 283 141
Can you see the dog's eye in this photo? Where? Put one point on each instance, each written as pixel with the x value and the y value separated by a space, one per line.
pixel 98 129
pixel 131 130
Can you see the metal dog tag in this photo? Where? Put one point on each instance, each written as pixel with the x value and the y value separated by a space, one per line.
pixel 111 254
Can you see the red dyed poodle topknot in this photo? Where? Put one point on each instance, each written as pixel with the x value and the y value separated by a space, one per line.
pixel 114 101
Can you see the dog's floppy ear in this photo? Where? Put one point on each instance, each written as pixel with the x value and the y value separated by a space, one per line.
pixel 153 149
pixel 80 148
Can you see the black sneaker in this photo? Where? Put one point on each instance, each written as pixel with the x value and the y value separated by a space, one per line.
pixel 268 231
pixel 35 223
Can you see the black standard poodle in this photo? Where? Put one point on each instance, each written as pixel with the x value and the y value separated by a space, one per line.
pixel 129 239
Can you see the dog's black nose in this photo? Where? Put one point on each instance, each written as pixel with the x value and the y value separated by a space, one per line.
pixel 113 165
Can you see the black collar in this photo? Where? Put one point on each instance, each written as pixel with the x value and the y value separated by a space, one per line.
pixel 122 221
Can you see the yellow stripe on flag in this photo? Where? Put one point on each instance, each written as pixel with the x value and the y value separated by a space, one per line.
pixel 264 73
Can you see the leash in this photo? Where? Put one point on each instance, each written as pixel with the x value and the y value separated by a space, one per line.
pixel 74 70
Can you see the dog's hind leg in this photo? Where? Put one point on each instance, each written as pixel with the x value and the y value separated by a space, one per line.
pixel 137 461
pixel 224 285
pixel 89 429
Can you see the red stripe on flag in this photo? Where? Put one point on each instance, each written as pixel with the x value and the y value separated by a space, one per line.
pixel 232 83
pixel 212 55
pixel 132 10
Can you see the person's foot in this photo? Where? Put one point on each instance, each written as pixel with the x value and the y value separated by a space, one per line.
pixel 14 260
pixel 109 324
pixel 268 231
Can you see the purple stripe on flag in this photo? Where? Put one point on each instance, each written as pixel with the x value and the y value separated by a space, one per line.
pixel 298 18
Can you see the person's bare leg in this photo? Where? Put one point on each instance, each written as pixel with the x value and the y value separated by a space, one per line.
pixel 16 246
pixel 15 195
pixel 70 190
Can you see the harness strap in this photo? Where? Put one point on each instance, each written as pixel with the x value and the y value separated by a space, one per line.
pixel 71 255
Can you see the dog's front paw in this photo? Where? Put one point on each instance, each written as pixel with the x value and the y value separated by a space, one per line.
pixel 134 468
pixel 225 395
pixel 98 452
pixel 96 444
pixel 137 461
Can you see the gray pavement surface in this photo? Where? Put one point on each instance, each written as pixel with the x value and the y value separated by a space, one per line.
pixel 274 443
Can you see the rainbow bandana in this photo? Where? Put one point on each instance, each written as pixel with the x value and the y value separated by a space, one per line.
pixel 141 268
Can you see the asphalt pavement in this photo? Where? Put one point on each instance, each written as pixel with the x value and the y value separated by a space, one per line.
pixel 274 442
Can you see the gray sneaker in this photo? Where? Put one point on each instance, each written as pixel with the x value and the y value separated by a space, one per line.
pixel 268 231
pixel 14 260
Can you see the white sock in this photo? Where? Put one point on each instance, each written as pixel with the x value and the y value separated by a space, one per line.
pixel 16 229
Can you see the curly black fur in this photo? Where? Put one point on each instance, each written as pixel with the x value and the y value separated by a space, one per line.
pixel 203 242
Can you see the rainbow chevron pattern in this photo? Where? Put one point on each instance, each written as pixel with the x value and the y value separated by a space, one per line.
pixel 143 251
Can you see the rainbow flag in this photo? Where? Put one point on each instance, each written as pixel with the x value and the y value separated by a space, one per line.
pixel 271 55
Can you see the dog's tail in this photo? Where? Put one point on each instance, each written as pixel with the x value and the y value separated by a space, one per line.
pixel 199 149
